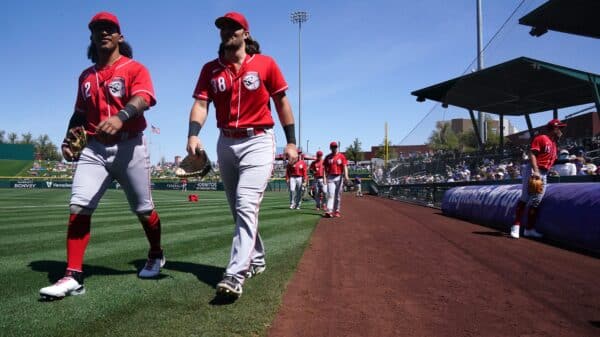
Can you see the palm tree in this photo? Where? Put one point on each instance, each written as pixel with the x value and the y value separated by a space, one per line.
pixel 12 138
pixel 26 138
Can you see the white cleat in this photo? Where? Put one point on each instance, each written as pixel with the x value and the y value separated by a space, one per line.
pixel 64 287
pixel 152 267
pixel 514 231
pixel 255 270
pixel 229 287
pixel 532 233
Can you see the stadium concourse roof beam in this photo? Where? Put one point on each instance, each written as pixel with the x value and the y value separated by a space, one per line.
pixel 579 17
pixel 518 87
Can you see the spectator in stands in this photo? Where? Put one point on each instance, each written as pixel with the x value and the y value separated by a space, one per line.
pixel 564 166
pixel 542 155
pixel 589 169
pixel 579 161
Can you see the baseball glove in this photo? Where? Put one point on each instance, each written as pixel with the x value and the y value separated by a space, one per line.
pixel 348 183
pixel 197 165
pixel 535 185
pixel 76 141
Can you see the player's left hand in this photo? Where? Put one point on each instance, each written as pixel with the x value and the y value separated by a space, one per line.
pixel 110 126
pixel 291 153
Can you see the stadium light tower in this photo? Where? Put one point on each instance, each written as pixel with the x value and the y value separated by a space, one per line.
pixel 299 17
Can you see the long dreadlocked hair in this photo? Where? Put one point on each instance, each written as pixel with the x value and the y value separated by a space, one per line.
pixel 124 49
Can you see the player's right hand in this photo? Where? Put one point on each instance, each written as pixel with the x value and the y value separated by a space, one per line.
pixel 291 153
pixel 66 153
pixel 193 143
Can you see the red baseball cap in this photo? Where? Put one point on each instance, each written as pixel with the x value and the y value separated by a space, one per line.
pixel 104 17
pixel 319 153
pixel 235 17
pixel 555 123
pixel 333 144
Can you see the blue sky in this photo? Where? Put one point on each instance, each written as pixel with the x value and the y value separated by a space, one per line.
pixel 360 61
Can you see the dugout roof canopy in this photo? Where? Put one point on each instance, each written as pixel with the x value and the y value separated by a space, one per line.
pixel 580 17
pixel 517 87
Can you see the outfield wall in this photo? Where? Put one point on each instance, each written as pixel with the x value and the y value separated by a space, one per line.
pixel 569 212
pixel 17 151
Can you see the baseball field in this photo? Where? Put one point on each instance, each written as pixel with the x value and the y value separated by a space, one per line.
pixel 196 238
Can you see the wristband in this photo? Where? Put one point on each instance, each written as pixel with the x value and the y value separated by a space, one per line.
pixel 194 128
pixel 290 135
pixel 128 112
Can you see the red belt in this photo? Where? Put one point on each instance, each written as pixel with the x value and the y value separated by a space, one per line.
pixel 242 133
pixel 107 139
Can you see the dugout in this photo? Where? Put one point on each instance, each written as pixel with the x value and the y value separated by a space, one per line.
pixel 519 87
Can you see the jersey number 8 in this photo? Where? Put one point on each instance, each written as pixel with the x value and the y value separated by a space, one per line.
pixel 218 84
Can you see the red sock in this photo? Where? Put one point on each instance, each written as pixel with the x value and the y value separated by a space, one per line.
pixel 78 236
pixel 152 230
pixel 519 213
pixel 531 217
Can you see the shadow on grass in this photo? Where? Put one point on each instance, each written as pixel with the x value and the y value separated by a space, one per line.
pixel 56 269
pixel 222 300
pixel 209 275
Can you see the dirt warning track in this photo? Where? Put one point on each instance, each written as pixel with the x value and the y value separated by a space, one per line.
pixel 387 268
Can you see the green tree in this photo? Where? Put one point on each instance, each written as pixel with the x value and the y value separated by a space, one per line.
pixel 380 151
pixel 2 133
pixel 12 138
pixel 354 151
pixel 26 138
pixel 443 138
pixel 468 141
pixel 46 149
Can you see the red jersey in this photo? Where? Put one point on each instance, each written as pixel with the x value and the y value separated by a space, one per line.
pixel 241 98
pixel 103 92
pixel 317 168
pixel 334 164
pixel 545 151
pixel 296 170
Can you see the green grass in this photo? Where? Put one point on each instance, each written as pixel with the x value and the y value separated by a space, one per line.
pixel 197 241
pixel 11 168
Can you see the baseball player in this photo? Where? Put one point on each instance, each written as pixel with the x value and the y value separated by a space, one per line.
pixel 296 176
pixel 336 165
pixel 112 97
pixel 358 184
pixel 240 84
pixel 542 155
pixel 317 170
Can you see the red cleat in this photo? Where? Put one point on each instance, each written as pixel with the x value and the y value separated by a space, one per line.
pixel 337 214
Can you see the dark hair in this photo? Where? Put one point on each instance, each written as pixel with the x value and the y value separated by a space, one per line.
pixel 252 47
pixel 124 49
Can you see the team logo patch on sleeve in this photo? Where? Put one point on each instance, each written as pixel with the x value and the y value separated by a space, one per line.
pixel 117 87
pixel 251 80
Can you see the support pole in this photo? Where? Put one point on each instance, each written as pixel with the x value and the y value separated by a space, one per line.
pixel 476 129
pixel 529 127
